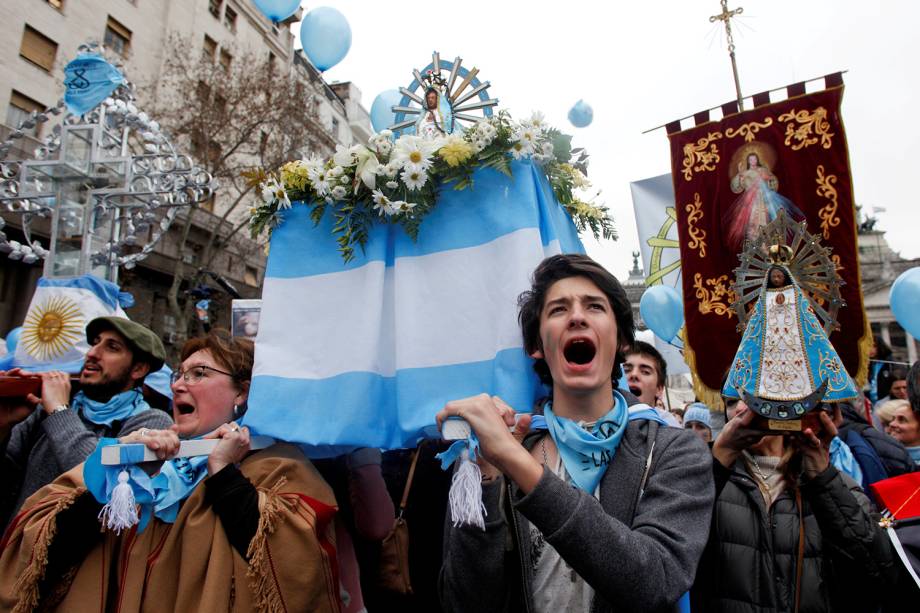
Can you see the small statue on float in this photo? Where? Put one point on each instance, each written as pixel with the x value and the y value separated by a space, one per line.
pixel 788 296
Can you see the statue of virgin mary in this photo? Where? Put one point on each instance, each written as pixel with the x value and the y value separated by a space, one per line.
pixel 436 119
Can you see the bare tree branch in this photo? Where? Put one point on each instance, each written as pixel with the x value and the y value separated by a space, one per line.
pixel 231 119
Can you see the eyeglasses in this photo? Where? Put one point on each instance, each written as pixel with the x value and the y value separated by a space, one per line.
pixel 195 374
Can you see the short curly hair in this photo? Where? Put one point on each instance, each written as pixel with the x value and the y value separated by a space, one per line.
pixel 232 353
pixel 558 267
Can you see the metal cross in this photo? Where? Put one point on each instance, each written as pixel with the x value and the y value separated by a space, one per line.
pixel 725 17
pixel 104 180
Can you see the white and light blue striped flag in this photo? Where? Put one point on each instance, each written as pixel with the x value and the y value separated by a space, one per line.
pixel 365 353
pixel 54 331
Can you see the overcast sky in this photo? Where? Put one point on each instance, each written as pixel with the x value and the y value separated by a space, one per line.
pixel 642 64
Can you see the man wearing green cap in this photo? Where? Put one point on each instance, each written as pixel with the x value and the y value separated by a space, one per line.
pixel 42 437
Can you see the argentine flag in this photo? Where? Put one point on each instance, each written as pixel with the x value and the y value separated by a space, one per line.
pixel 365 353
pixel 54 332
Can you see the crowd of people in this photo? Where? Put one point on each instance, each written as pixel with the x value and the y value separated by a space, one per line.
pixel 596 499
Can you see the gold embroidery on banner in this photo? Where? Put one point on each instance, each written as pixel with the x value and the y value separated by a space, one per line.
pixel 836 260
pixel 701 156
pixel 811 127
pixel 748 130
pixel 828 213
pixel 717 299
pixel 697 234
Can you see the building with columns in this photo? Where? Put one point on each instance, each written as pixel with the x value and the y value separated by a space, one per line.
pixel 880 267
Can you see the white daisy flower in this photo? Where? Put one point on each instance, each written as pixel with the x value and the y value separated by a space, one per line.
pixel 414 178
pixel 536 122
pixel 314 163
pixel 392 184
pixel 520 149
pixel 322 183
pixel 415 150
pixel 382 204
pixel 273 191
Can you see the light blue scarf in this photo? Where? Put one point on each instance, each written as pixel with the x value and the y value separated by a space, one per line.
pixel 843 460
pixel 120 406
pixel 160 496
pixel 586 455
pixel 914 454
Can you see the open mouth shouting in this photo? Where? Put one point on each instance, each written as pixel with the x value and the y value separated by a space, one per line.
pixel 90 369
pixel 579 352
pixel 183 408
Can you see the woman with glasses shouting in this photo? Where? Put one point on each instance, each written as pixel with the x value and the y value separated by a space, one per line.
pixel 232 531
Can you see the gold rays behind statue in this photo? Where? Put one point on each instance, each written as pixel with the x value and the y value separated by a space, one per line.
pixel 51 328
pixel 787 242
pixel 467 97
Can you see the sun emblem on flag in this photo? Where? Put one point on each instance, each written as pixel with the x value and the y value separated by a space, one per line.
pixel 51 328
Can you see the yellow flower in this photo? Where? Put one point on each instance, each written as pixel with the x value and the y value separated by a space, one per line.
pixel 455 151
pixel 294 176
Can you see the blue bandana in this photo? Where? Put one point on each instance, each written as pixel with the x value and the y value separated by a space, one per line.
pixel 160 496
pixel 119 406
pixel 586 455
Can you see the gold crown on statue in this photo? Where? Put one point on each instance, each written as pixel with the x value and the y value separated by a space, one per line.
pixel 780 254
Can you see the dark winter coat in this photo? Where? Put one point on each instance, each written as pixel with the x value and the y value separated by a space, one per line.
pixel 891 452
pixel 639 553
pixel 751 557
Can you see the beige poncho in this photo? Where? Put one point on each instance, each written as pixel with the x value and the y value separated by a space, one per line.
pixel 189 565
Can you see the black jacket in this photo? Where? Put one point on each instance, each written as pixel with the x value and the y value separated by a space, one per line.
pixel 890 450
pixel 750 559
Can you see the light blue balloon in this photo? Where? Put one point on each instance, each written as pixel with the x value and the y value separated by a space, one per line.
pixel 12 339
pixel 382 116
pixel 277 10
pixel 325 36
pixel 581 114
pixel 905 300
pixel 663 311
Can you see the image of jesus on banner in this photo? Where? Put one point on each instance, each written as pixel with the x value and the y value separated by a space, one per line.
pixel 759 200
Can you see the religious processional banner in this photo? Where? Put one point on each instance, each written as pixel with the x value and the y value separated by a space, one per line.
pixel 365 353
pixel 730 178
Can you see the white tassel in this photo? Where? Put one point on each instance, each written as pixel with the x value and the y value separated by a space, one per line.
pixel 465 496
pixel 120 512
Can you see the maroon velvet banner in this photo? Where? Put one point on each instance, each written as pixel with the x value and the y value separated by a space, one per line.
pixel 729 177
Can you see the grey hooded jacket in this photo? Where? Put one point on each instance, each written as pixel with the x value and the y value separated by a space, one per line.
pixel 638 552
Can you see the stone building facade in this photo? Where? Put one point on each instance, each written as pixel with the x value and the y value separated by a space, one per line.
pixel 39 37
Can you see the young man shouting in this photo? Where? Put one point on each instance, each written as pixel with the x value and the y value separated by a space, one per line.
pixel 646 371
pixel 603 509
